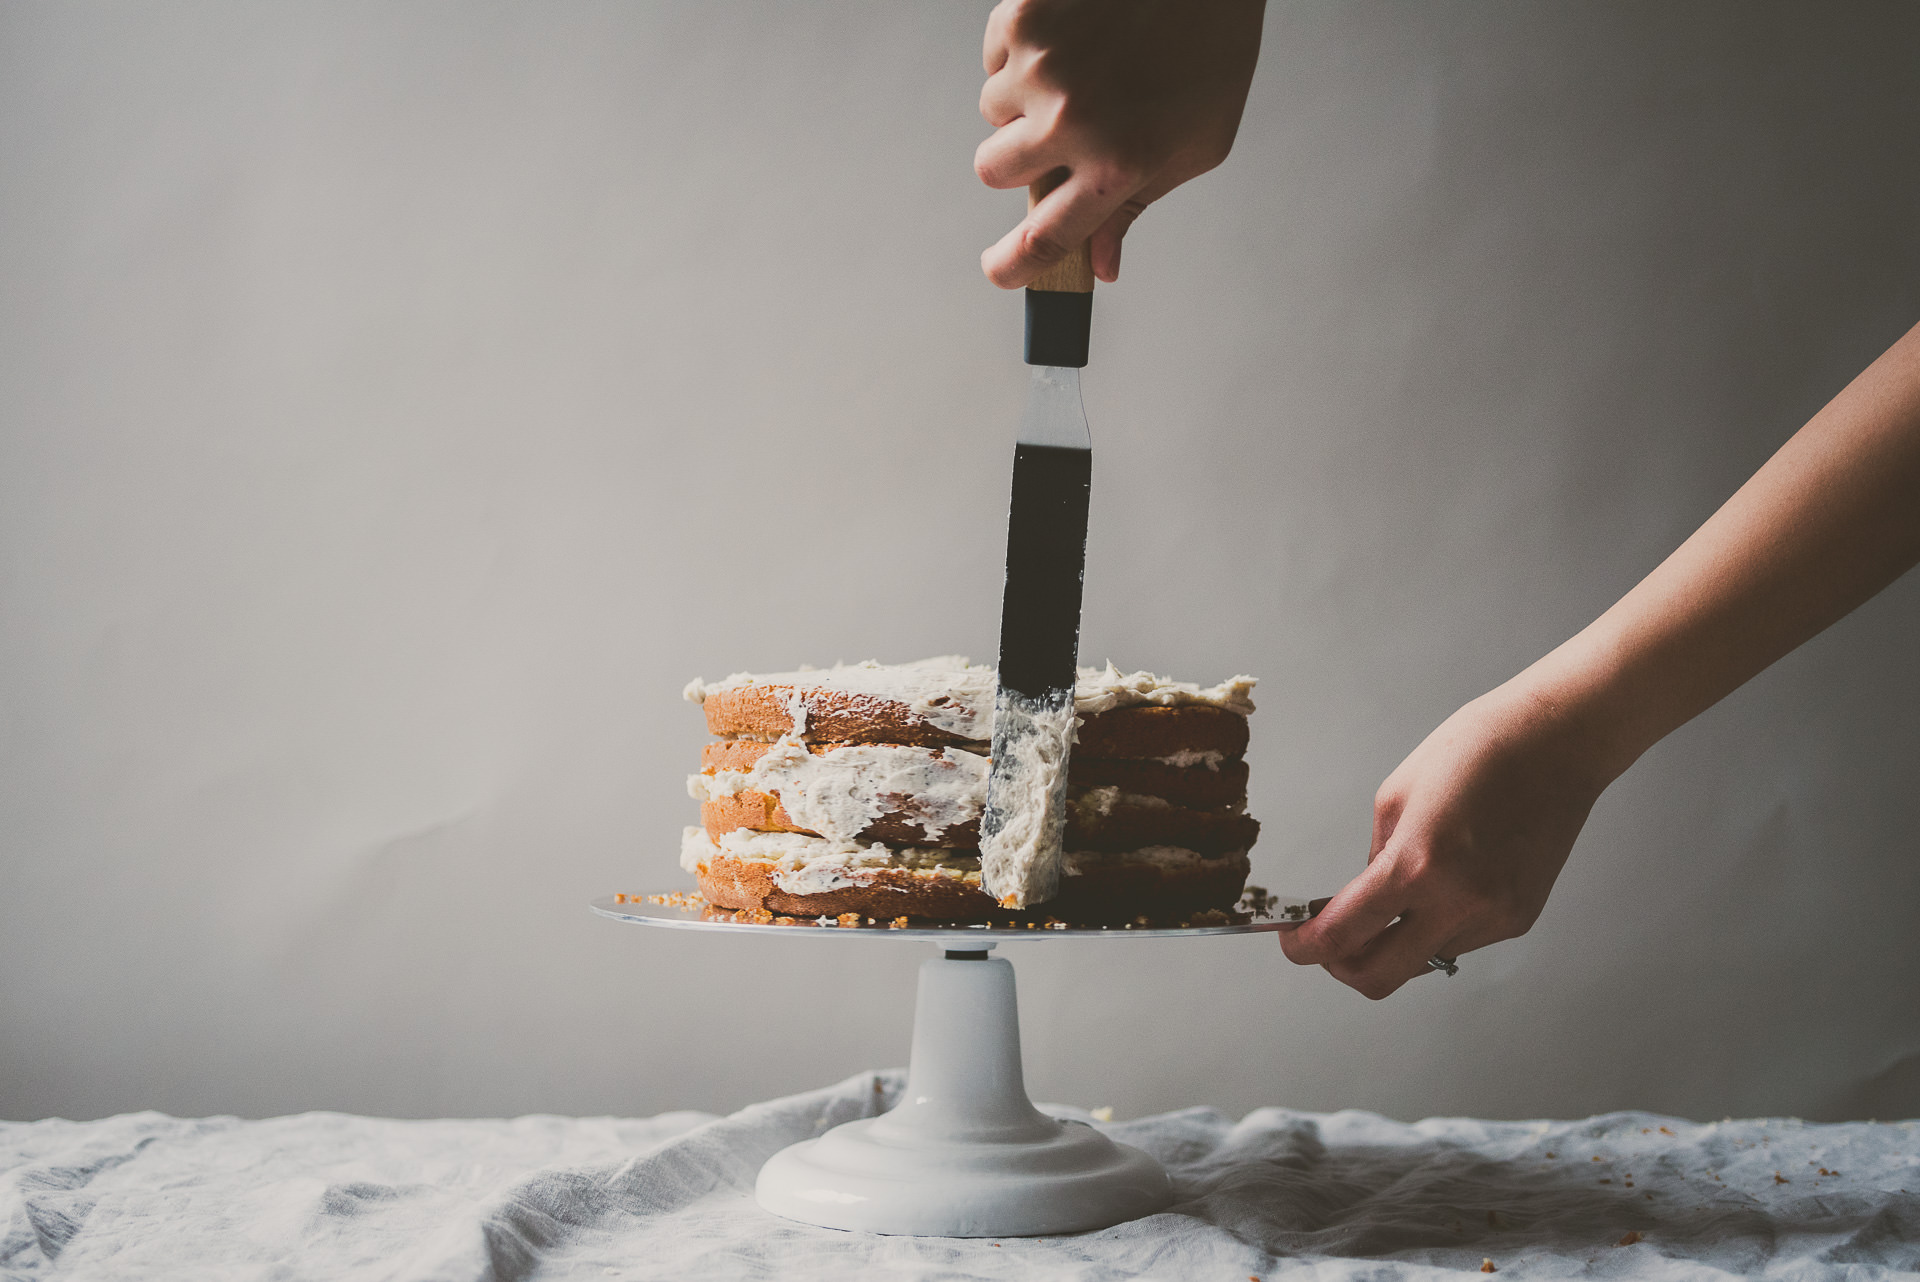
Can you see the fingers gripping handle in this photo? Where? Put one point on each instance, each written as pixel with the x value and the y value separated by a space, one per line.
pixel 1074 273
pixel 1060 300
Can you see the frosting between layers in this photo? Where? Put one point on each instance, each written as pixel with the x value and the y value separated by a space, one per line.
pixel 811 865
pixel 1188 757
pixel 1101 802
pixel 953 694
pixel 840 792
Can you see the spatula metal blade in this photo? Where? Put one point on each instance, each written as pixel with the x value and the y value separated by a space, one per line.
pixel 1025 813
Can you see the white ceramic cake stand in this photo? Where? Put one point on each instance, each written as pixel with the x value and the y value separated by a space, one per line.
pixel 965 1153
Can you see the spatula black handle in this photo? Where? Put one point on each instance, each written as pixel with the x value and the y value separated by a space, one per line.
pixel 1058 327
pixel 1060 299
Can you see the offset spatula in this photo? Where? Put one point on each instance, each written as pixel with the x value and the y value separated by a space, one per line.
pixel 1025 815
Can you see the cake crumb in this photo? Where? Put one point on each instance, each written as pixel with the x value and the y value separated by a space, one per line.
pixel 1486 1266
pixel 848 919
pixel 1633 1235
pixel 898 923
pixel 1102 1114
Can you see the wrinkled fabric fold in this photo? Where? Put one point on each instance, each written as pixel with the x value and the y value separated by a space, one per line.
pixel 1275 1194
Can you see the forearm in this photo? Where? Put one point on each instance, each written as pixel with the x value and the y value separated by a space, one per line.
pixel 1829 521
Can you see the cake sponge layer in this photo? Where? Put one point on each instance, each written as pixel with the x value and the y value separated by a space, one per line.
pixel 791 875
pixel 939 701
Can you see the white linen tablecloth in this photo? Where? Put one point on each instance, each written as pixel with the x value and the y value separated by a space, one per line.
pixel 1278 1194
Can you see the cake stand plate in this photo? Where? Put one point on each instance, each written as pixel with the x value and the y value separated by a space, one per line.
pixel 965 1153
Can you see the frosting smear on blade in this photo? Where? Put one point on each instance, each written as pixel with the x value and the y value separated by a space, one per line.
pixel 1020 846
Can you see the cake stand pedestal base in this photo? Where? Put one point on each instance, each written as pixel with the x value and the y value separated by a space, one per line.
pixel 965 1153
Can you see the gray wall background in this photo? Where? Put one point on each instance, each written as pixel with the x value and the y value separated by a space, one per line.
pixel 398 403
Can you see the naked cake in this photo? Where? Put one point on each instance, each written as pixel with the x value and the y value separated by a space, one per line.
pixel 858 789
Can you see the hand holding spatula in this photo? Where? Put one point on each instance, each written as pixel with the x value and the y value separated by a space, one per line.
pixel 1025 816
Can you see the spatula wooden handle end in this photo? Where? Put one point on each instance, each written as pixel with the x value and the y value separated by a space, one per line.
pixel 1072 274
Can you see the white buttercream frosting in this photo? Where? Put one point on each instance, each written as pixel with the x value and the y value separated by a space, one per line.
pixel 947 692
pixel 1103 689
pixel 807 865
pixel 1187 758
pixel 838 793
pixel 1165 858
pixel 1100 803
pixel 953 694
pixel 804 865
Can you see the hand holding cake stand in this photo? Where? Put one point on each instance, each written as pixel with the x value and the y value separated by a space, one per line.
pixel 965 1153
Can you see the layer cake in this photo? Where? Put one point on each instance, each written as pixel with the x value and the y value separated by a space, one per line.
pixel 858 789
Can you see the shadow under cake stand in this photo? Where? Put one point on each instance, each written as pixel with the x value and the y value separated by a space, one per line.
pixel 964 1153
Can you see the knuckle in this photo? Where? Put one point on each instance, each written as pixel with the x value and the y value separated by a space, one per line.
pixel 1041 246
pixel 1336 939
pixel 1414 862
pixel 1301 952
pixel 1125 176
